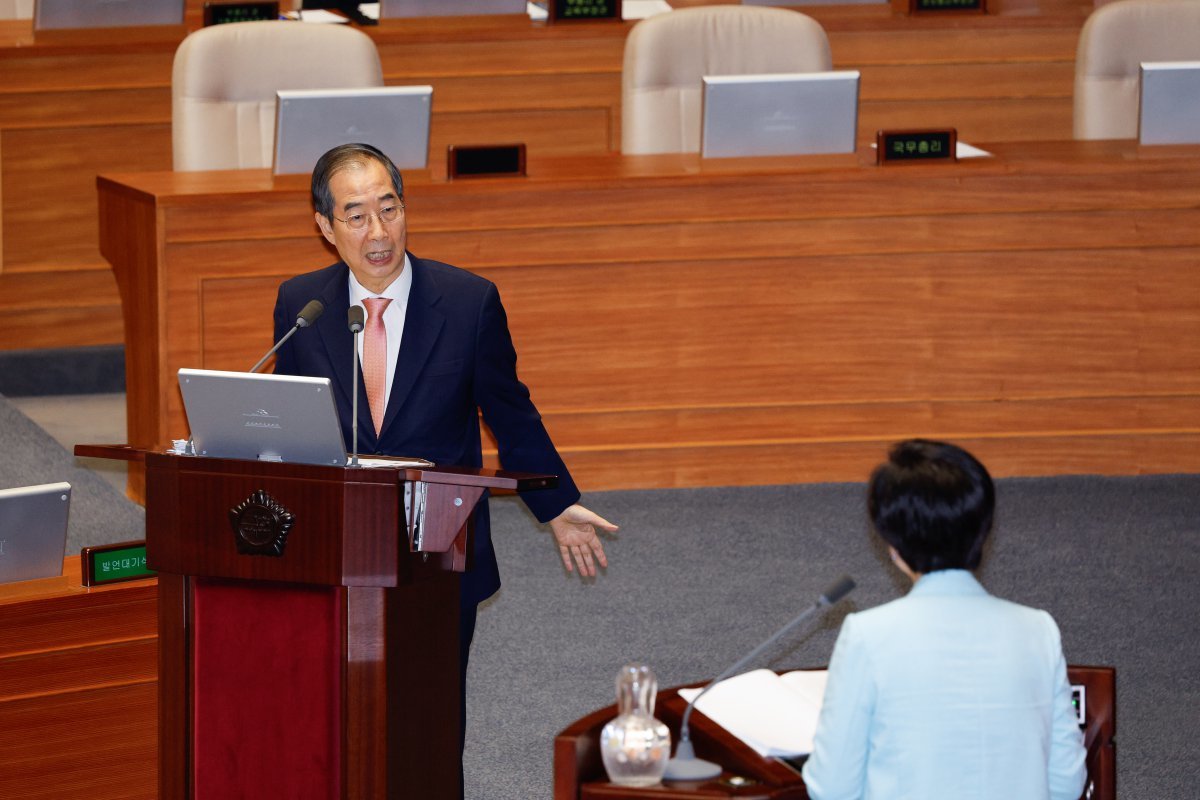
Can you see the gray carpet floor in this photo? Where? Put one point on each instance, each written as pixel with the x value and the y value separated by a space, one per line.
pixel 100 514
pixel 697 577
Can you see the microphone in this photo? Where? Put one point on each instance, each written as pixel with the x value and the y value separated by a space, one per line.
pixel 685 766
pixel 307 316
pixel 356 318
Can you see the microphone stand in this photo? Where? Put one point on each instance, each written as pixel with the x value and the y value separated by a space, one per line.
pixel 356 317
pixel 685 766
pixel 307 316
pixel 278 344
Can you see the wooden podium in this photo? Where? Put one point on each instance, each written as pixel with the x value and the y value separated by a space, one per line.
pixel 579 772
pixel 308 624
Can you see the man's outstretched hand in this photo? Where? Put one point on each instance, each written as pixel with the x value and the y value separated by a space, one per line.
pixel 575 531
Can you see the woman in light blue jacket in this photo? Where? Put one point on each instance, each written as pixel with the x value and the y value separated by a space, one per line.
pixel 947 692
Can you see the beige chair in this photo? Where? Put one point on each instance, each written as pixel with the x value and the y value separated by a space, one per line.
pixel 667 55
pixel 16 9
pixel 225 78
pixel 1116 38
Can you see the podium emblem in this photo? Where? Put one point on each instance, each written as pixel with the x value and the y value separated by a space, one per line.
pixel 260 525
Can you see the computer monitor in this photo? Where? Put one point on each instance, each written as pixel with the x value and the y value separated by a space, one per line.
pixel 1169 106
pixel 65 14
pixel 33 531
pixel 393 118
pixel 776 115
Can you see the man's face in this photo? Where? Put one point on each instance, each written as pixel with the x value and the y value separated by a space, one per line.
pixel 375 252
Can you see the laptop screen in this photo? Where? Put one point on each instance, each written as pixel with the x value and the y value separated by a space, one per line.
pixel 393 118
pixel 1169 110
pixel 66 14
pixel 262 417
pixel 33 531
pixel 779 115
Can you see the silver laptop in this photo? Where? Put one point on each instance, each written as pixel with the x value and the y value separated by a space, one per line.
pixel 33 531
pixel 264 417
pixel 393 118
pixel 63 14
pixel 449 8
pixel 779 115
pixel 1169 110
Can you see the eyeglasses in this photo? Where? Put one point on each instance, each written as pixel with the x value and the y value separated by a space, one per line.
pixel 356 222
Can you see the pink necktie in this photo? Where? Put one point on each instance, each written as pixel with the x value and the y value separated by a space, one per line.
pixel 375 359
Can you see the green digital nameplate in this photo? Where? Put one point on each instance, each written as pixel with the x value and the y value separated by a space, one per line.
pixel 223 13
pixel 979 6
pixel 565 10
pixel 911 146
pixel 111 563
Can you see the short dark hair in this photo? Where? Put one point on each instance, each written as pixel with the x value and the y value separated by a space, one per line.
pixel 338 159
pixel 934 503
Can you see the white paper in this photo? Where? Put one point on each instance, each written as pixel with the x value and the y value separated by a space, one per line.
pixel 964 150
pixel 776 715
pixel 321 17
pixel 640 9
pixel 398 463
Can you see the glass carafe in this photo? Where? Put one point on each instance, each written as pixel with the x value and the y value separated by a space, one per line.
pixel 635 746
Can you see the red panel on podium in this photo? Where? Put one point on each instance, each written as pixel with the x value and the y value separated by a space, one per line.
pixel 267 669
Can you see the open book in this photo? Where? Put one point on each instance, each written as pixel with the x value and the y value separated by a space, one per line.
pixel 776 715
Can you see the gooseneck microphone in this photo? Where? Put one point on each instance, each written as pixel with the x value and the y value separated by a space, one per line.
pixel 307 316
pixel 685 766
pixel 356 318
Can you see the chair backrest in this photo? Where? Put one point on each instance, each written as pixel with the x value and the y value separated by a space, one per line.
pixel 667 55
pixel 225 77
pixel 1115 39
pixel 16 9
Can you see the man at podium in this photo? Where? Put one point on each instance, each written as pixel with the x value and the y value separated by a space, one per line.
pixel 434 353
pixel 947 692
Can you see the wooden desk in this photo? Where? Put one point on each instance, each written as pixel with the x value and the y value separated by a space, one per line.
pixel 677 319
pixel 76 105
pixel 579 773
pixel 78 689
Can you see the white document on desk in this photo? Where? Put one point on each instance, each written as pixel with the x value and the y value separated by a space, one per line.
pixel 775 715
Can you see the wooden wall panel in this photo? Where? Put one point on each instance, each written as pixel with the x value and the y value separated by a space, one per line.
pixel 1014 81
pixel 977 121
pixel 77 105
pixel 851 460
pixel 78 689
pixel 799 315
pixel 567 132
pixel 98 743
pixel 34 306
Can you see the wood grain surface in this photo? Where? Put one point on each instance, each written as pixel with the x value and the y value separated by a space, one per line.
pixel 78 681
pixel 684 323
pixel 77 104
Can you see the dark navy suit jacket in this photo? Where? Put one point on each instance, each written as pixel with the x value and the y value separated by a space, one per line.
pixel 456 359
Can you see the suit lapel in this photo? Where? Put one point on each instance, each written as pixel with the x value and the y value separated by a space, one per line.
pixel 422 325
